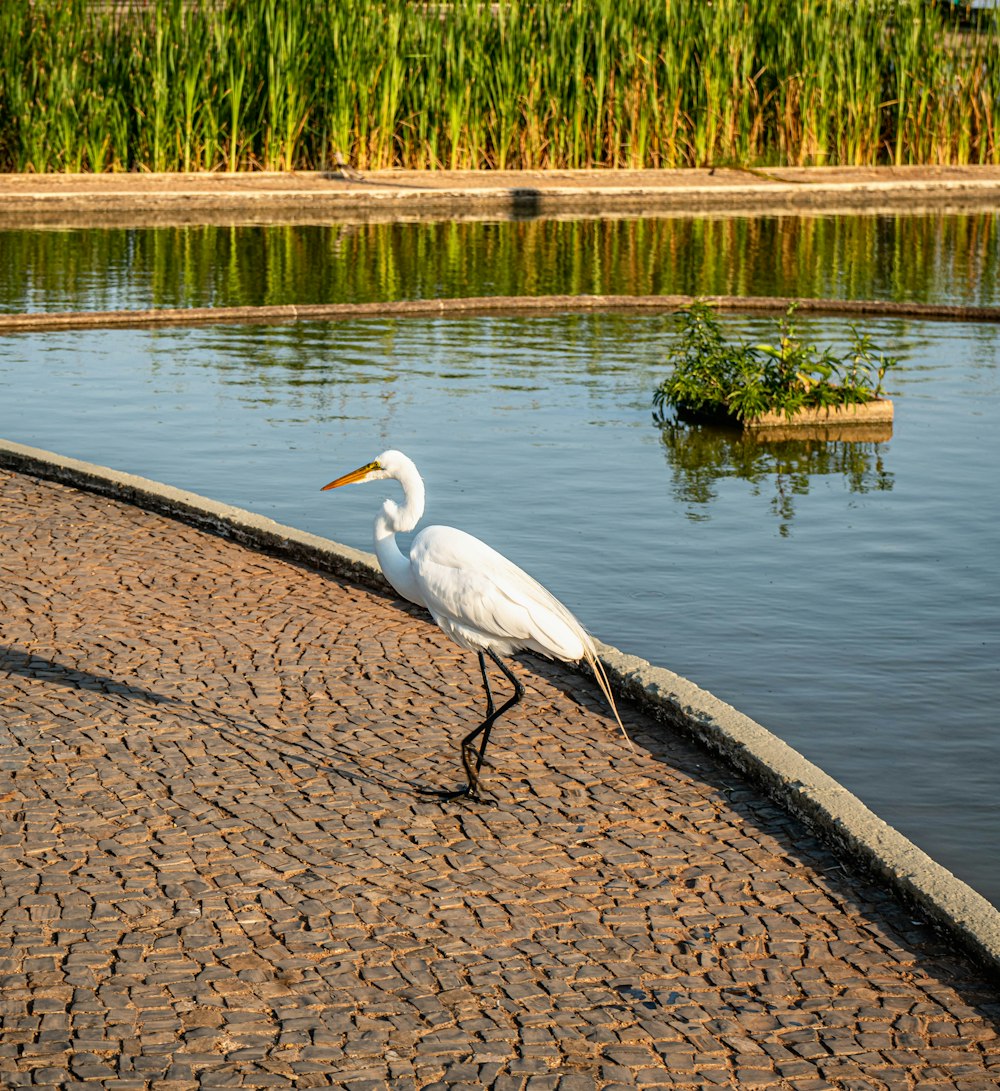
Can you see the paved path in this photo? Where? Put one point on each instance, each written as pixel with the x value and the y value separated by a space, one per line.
pixel 216 873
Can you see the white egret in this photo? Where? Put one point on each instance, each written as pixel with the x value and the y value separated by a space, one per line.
pixel 484 602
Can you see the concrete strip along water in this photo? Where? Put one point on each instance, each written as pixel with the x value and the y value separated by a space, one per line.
pixel 58 200
pixel 39 322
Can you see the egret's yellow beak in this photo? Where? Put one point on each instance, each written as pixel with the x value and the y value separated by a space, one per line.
pixel 355 475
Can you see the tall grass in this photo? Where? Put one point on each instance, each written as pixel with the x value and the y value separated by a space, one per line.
pixel 223 85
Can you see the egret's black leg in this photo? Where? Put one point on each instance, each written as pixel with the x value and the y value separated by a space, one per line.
pixel 492 715
pixel 486 684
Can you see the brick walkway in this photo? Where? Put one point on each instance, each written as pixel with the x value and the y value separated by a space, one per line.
pixel 216 873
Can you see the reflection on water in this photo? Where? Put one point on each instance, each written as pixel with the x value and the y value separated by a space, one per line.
pixel 939 257
pixel 778 463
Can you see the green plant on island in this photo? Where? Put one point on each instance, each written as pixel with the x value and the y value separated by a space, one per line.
pixel 717 379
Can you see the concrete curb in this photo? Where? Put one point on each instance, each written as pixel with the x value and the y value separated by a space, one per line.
pixel 827 808
pixel 48 200
pixel 274 314
pixel 245 527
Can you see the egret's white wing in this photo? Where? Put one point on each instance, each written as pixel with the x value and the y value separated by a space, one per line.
pixel 482 599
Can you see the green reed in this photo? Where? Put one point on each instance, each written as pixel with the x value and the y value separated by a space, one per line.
pixel 216 84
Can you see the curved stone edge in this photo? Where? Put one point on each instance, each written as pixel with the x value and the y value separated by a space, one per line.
pixel 823 804
pixel 802 788
pixel 245 527
pixel 462 306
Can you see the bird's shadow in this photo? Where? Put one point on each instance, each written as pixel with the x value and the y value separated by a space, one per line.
pixel 27 664
pixel 578 688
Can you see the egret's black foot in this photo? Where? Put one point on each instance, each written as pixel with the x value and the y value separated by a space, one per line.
pixel 446 795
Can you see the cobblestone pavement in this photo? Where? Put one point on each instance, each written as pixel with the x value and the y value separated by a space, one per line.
pixel 216 871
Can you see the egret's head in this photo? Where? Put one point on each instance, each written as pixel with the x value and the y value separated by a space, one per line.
pixel 388 464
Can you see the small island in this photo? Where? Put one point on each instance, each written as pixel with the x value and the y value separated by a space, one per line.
pixel 786 384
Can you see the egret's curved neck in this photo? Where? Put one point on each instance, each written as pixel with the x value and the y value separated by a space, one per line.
pixel 395 518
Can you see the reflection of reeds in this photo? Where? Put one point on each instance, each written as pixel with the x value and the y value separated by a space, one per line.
pixel 210 84
pixel 913 258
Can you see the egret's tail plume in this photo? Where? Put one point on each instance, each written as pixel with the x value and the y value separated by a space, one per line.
pixel 602 680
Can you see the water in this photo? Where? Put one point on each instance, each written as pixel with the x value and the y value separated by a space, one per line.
pixel 940 258
pixel 853 613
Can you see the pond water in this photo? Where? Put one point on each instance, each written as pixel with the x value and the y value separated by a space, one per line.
pixel 941 258
pixel 845 597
